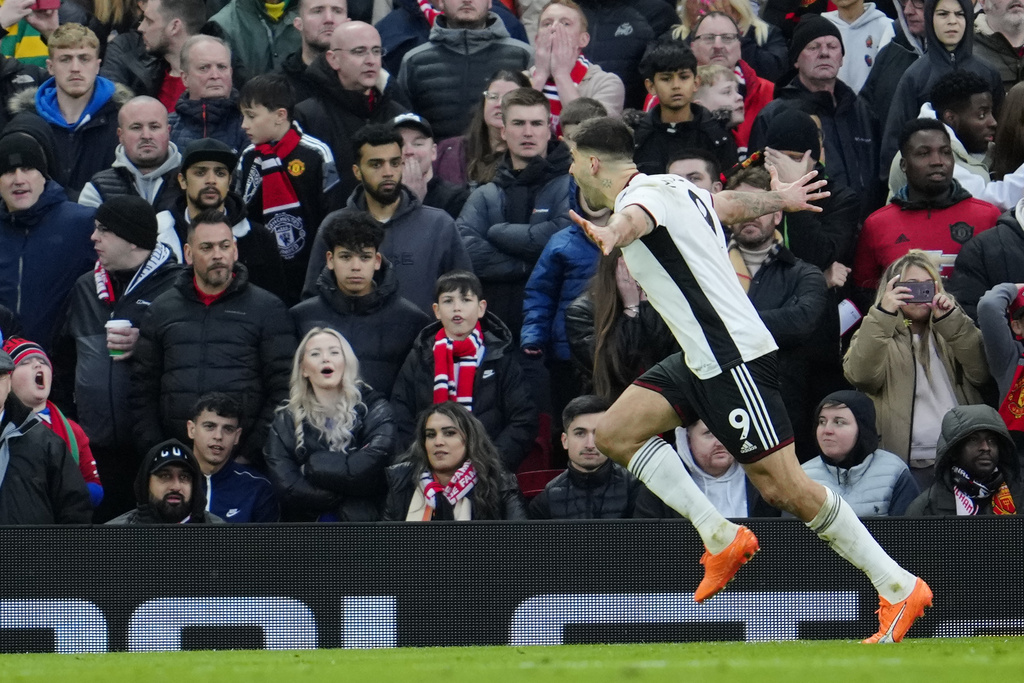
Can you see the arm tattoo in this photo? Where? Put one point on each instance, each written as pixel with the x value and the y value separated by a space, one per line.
pixel 735 207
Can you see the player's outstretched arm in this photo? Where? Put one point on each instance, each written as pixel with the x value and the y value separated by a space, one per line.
pixel 736 207
pixel 623 228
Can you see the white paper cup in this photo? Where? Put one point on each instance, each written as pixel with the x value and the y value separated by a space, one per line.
pixel 116 324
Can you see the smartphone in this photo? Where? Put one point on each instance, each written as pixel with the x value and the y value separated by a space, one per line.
pixel 44 5
pixel 920 292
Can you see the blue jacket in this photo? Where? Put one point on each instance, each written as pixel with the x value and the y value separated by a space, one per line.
pixel 561 274
pixel 43 250
pixel 239 494
pixel 219 118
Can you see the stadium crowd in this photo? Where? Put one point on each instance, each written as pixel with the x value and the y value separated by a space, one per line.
pixel 313 260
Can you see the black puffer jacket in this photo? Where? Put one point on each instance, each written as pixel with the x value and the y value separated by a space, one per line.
pixel 241 344
pixel 16 76
pixel 314 480
pixel 42 484
pixel 619 34
pixel 443 79
pixel 986 260
pixel 402 482
pixel 501 397
pixel 657 141
pixel 381 326
pixel 607 493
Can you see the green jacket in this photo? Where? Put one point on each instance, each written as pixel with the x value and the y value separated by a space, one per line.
pixel 258 42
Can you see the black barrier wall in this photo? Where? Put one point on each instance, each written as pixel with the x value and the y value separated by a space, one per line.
pixel 305 586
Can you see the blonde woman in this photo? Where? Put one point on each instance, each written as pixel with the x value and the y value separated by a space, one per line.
pixel 915 360
pixel 762 45
pixel 330 442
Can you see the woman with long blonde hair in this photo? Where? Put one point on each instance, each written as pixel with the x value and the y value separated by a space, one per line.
pixel 916 356
pixel 330 442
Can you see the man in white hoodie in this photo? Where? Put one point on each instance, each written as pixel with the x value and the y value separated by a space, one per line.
pixel 146 161
pixel 865 30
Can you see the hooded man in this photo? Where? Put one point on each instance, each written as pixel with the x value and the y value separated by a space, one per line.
pixel 895 58
pixel 169 489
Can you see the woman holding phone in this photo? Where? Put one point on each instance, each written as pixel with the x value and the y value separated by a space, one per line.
pixel 916 354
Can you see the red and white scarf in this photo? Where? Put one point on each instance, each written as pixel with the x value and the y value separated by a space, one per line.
pixel 455 364
pixel 278 193
pixel 579 71
pixel 104 285
pixel 429 12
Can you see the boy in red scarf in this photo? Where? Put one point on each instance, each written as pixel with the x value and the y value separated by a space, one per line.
pixel 286 177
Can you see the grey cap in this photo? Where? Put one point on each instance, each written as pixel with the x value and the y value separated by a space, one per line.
pixel 6 364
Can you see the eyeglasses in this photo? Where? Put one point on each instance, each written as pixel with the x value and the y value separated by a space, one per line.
pixel 362 51
pixel 919 4
pixel 709 38
pixel 492 96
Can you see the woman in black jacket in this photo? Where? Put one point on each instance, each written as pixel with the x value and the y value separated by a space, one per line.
pixel 329 444
pixel 452 471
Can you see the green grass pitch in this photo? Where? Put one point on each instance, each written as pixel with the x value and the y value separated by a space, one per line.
pixel 927 661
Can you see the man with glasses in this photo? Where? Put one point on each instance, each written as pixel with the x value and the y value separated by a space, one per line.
pixel 352 90
pixel 443 79
pixel 865 30
pixel 895 58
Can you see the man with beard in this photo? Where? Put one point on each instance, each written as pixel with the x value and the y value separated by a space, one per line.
pixel 315 23
pixel 205 179
pixel 999 37
pixel 420 242
pixel 212 331
pixel 169 488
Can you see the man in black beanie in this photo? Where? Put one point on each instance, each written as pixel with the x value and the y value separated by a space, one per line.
pixel 131 270
pixel 44 239
pixel 851 142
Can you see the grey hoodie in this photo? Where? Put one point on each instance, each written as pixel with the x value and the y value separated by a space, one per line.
pixel 147 184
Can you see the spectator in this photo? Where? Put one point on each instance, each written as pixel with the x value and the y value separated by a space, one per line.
pixel 351 91
pixel 715 40
pixel 169 489
pixel 977 470
pixel 193 340
pixel 619 34
pixel 132 269
pixel 452 471
pixel 315 22
pixel 1008 150
pixel 762 44
pixel 949 27
pixel 670 73
pixel 593 487
pixel 1004 351
pixel 578 111
pixel 873 481
pixel 999 33
pixel 419 151
pixel 145 162
pixel 443 77
pixel 209 106
pixel 357 295
pixel 473 158
pixel 866 30
pixel 44 239
pixel 420 242
pixel 234 492
pixel 915 361
pixel 26 31
pixel 507 223
pixel 932 212
pixel 261 34
pixel 846 123
pixel 895 58
pixel 992 258
pixel 697 166
pixel 561 71
pixel 148 62
pixel 31 381
pixel 16 76
pixel 286 177
pixel 205 180
pixel 719 94
pixel 467 356
pixel 331 441
pixel 79 106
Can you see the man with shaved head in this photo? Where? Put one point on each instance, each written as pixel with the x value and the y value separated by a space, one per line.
pixel 146 162
pixel 352 90
pixel 315 23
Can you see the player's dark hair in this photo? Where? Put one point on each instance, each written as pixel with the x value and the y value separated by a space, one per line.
pixel 219 404
pixel 667 56
pixel 354 231
pixel 953 91
pixel 916 126
pixel 580 110
pixel 710 162
pixel 755 176
pixel 207 217
pixel 461 281
pixel 270 90
pixel 588 404
pixel 375 135
pixel 607 136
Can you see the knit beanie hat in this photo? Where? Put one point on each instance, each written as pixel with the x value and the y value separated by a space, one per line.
pixel 19 150
pixel 131 218
pixel 792 130
pixel 863 409
pixel 810 28
pixel 19 349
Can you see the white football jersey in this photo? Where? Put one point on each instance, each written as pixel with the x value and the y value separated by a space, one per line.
pixel 683 266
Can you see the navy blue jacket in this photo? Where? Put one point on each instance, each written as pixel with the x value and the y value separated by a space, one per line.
pixel 43 250
pixel 239 494
pixel 219 118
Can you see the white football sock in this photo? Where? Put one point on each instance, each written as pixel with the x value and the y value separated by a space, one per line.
pixel 837 524
pixel 659 467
